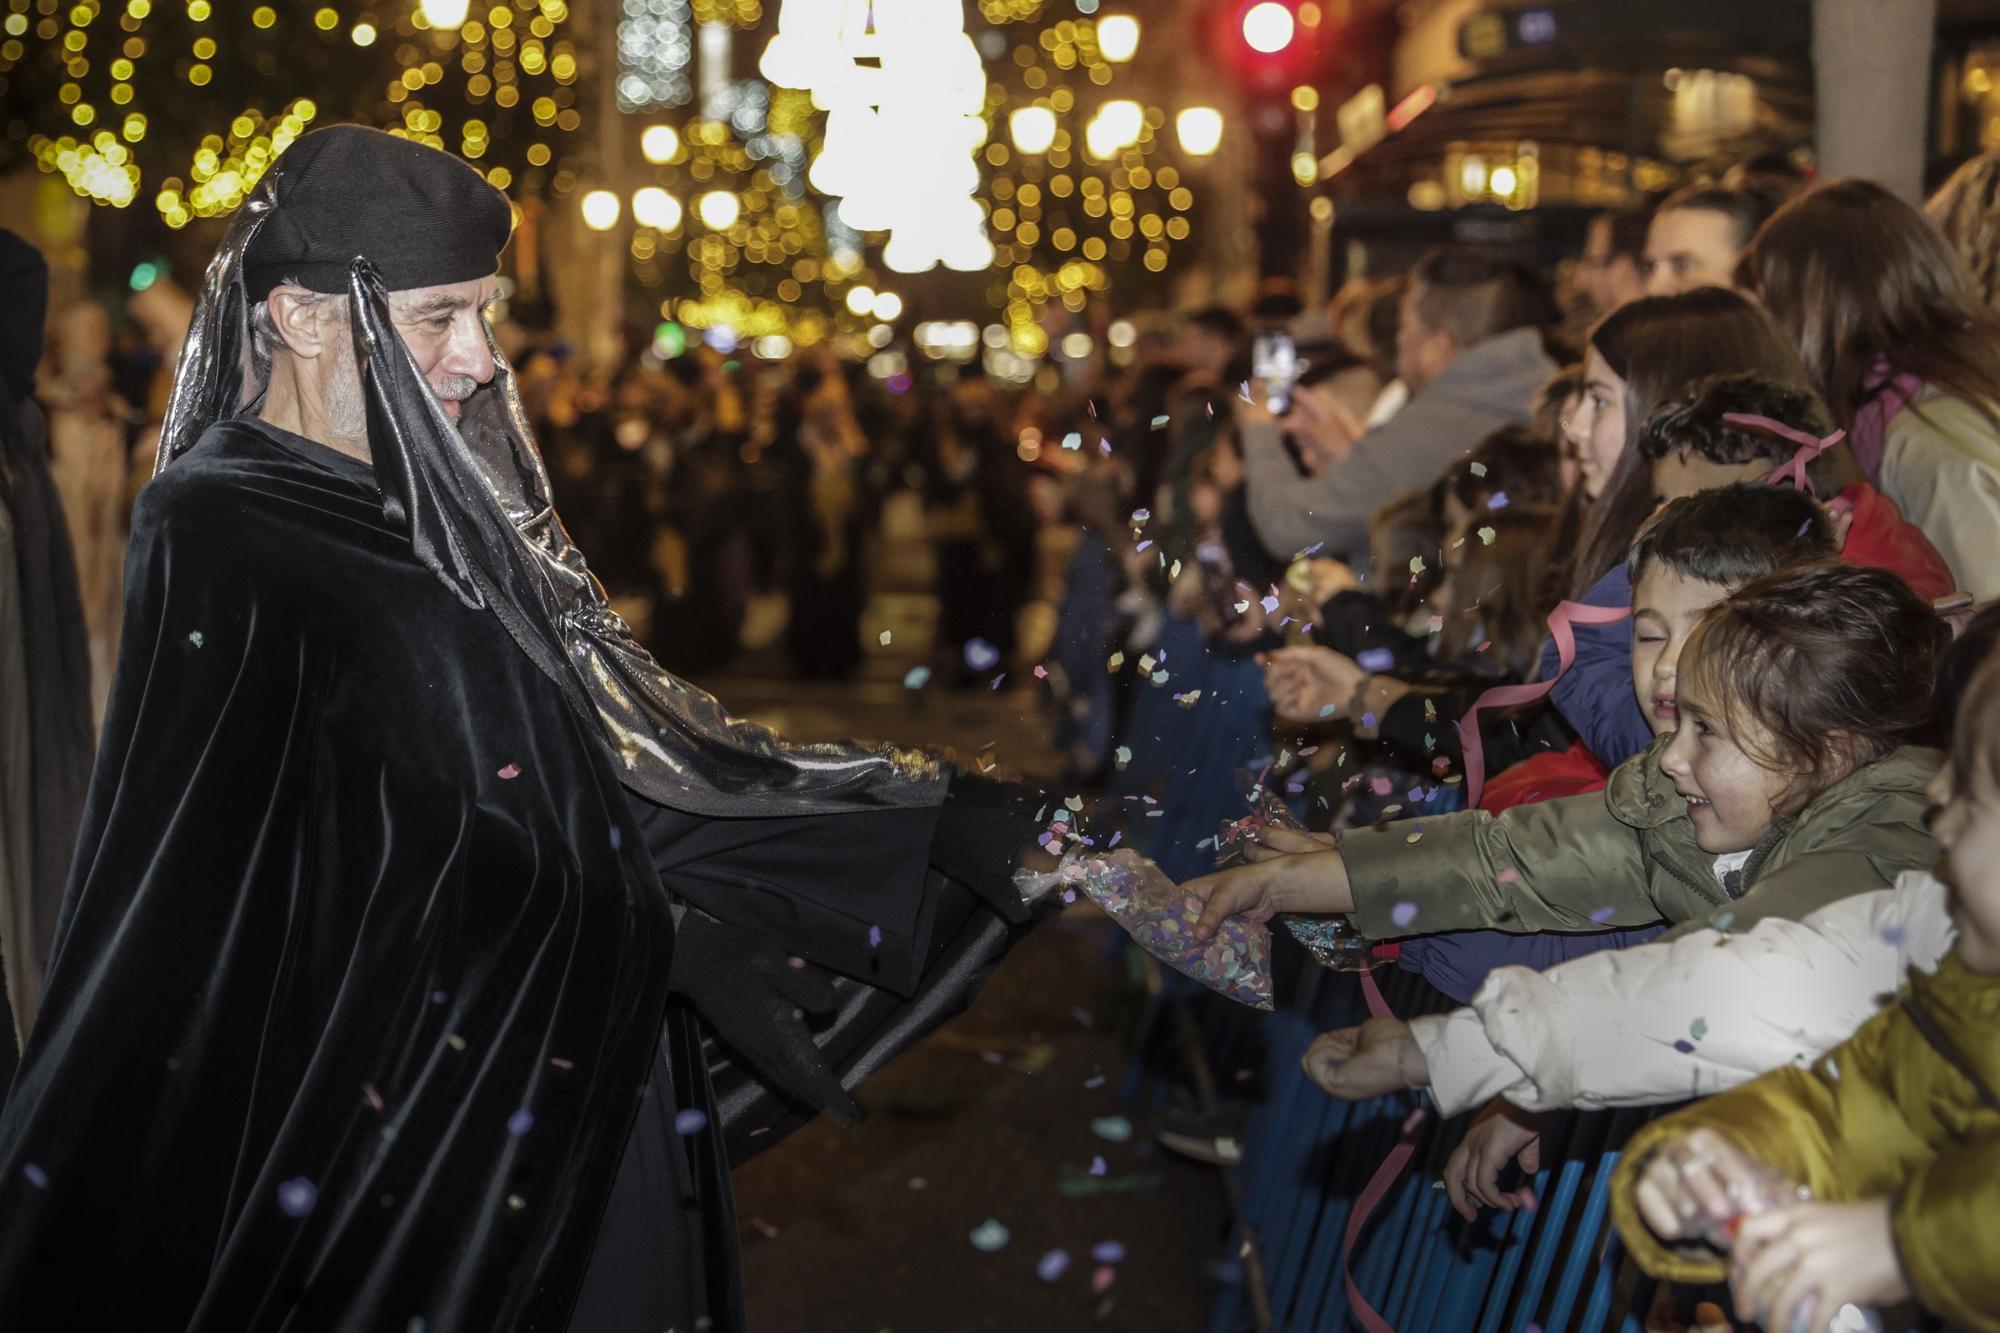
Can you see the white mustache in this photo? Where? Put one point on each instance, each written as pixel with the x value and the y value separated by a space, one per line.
pixel 455 388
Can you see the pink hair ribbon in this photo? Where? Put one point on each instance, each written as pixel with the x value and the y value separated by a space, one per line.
pixel 1809 447
pixel 1561 622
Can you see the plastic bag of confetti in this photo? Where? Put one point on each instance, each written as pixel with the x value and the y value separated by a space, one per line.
pixel 1331 940
pixel 1159 916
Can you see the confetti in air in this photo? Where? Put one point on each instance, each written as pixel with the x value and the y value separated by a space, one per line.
pixel 692 1120
pixel 1603 915
pixel 1052 1265
pixel 1375 660
pixel 1402 914
pixel 917 678
pixel 297 1196
pixel 1112 1128
pixel 36 1176
pixel 990 1237
pixel 520 1122
pixel 981 655
pixel 510 772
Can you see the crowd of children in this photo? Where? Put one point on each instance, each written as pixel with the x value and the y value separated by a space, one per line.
pixel 1628 728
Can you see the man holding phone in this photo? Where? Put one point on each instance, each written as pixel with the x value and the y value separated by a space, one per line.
pixel 1468 349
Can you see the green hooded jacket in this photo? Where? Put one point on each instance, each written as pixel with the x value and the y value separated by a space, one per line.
pixel 1627 856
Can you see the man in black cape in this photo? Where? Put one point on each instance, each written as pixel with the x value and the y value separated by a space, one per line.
pixel 411 894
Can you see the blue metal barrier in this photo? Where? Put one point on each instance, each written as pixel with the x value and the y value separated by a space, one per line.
pixel 1307 1157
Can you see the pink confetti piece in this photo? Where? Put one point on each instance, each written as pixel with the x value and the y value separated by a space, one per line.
pixel 1101 1280
pixel 561 1063
pixel 510 772
pixel 1041 672
pixel 374 1097
pixel 1509 875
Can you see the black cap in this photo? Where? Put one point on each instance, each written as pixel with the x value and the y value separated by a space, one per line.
pixel 421 216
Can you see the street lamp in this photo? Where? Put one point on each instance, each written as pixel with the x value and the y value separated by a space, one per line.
pixel 659 143
pixel 1117 37
pixel 1122 120
pixel 1199 129
pixel 718 210
pixel 445 15
pixel 1033 128
pixel 600 210
pixel 654 207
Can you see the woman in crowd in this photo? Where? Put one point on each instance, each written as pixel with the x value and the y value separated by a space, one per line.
pixel 1905 353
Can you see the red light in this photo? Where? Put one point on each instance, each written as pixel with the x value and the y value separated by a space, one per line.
pixel 1268 27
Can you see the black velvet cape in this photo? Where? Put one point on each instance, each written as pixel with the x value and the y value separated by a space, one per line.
pixel 358 1014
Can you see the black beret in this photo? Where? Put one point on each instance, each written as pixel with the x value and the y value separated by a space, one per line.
pixel 421 216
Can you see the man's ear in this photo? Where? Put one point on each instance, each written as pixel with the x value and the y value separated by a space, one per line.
pixel 299 316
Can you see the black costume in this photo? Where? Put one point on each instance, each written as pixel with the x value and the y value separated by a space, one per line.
pixel 368 1005
pixel 49 725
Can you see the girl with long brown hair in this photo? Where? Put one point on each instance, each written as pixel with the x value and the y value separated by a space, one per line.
pixel 1906 355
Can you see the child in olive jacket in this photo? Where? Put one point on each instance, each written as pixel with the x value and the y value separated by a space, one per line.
pixel 1795 778
pixel 1896 1132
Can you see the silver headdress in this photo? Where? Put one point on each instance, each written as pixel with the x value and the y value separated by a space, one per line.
pixel 474 498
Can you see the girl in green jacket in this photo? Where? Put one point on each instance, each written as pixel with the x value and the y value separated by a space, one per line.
pixel 1795 777
pixel 1896 1132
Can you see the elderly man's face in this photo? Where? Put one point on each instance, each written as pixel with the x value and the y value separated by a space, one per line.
pixel 445 330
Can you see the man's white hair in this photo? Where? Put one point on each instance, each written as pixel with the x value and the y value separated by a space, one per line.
pixel 344 396
pixel 266 341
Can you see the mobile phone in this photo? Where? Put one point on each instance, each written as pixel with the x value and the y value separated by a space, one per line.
pixel 1274 363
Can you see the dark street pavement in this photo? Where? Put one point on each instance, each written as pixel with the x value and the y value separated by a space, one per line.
pixel 999 1118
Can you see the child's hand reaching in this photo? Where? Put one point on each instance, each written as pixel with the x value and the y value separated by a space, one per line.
pixel 1472 1176
pixel 1357 1063
pixel 1310 684
pixel 1277 840
pixel 1794 1267
pixel 1696 1185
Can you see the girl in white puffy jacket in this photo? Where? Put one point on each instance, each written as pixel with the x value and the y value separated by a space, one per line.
pixel 1657 1023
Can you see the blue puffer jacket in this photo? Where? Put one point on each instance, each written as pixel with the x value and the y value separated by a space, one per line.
pixel 1594 697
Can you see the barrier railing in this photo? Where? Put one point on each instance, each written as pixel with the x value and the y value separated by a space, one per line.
pixel 1307 1157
